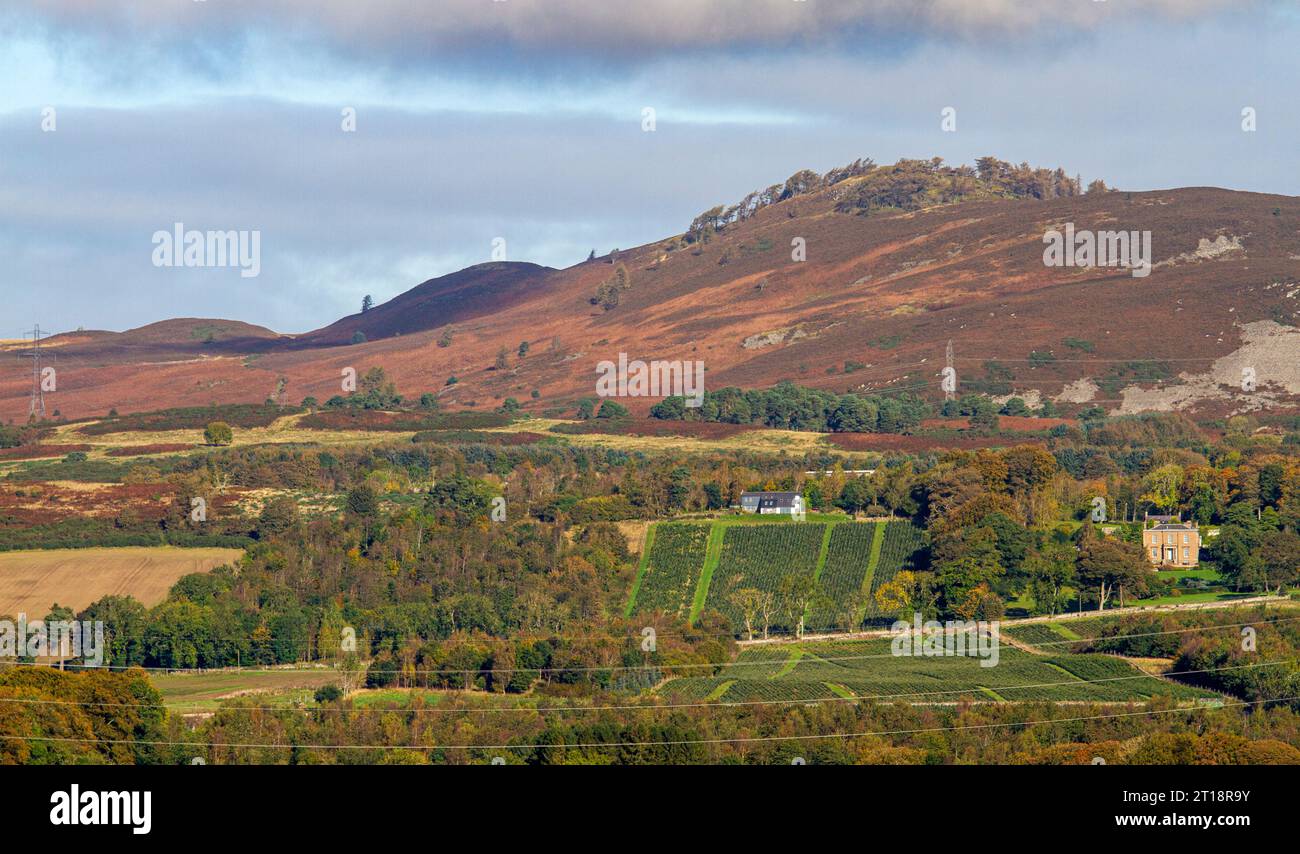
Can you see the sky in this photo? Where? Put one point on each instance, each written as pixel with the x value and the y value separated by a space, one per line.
pixel 375 145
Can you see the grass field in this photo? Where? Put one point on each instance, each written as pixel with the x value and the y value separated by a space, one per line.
pixel 1207 576
pixel 712 555
pixel 284 430
pixel 867 669
pixel 32 581
pixel 289 430
pixel 1193 598
pixel 759 439
pixel 203 692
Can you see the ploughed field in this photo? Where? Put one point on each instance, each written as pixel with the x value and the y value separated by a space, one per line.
pixel 688 566
pixel 32 581
pixel 868 669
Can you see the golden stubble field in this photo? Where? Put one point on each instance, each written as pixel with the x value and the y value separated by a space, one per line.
pixel 32 581
pixel 286 431
pixel 283 430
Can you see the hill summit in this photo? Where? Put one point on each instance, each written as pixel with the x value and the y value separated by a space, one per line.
pixel 851 281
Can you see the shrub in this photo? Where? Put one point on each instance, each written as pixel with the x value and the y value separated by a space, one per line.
pixel 218 433
pixel 328 694
pixel 1015 406
pixel 278 514
pixel 363 501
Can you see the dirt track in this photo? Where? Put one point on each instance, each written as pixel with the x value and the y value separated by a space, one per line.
pixel 1190 606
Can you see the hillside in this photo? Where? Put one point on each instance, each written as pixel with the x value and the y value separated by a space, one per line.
pixel 470 293
pixel 882 290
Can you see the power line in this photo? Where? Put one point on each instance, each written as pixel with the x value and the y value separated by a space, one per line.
pixel 707 704
pixel 671 743
pixel 37 404
pixel 616 668
pixel 782 637
pixel 1053 361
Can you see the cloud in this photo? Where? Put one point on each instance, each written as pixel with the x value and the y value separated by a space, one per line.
pixel 405 197
pixel 617 31
pixel 442 163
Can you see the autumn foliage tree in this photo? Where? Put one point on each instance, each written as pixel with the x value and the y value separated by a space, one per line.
pixel 1107 566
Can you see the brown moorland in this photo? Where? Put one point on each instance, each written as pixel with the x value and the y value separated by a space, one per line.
pixel 884 291
pixel 34 452
pixel 25 504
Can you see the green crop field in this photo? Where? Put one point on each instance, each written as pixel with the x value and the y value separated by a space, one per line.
pixel 902 540
pixel 760 556
pixel 690 566
pixel 1050 637
pixel 674 558
pixel 1086 627
pixel 843 573
pixel 868 669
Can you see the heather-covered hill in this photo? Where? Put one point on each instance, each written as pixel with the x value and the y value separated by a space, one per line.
pixel 181 333
pixel 470 293
pixel 855 280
